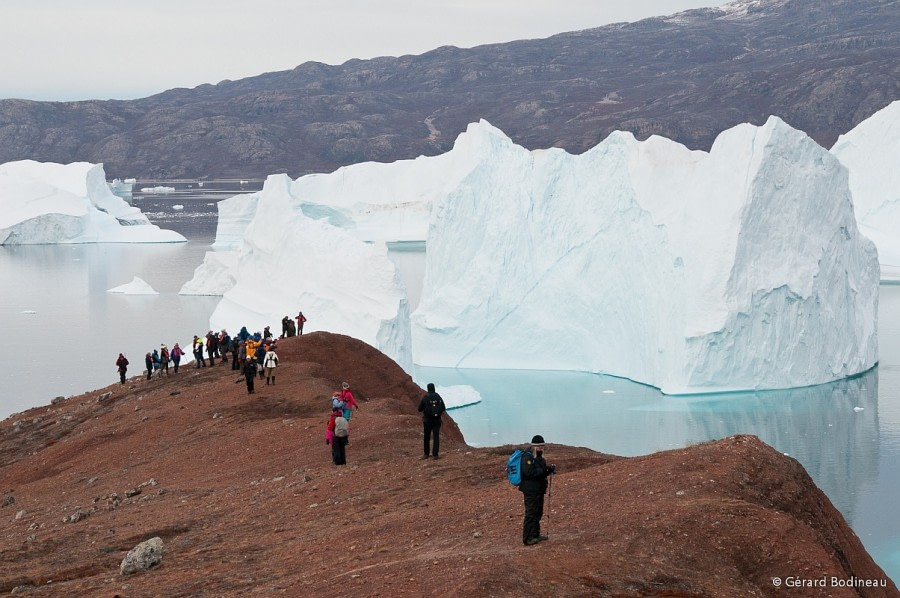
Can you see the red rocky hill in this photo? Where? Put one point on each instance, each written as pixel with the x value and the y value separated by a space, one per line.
pixel 242 491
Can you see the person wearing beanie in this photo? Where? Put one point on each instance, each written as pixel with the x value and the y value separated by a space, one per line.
pixel 432 407
pixel 535 472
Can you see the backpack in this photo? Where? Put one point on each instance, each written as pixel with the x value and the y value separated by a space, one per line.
pixel 434 406
pixel 514 467
pixel 337 404
pixel 340 426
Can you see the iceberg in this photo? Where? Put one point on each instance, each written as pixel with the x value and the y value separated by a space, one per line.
pixel 215 276
pixel 741 268
pixel 287 261
pixel 138 286
pixel 458 395
pixel 158 189
pixel 43 202
pixel 870 154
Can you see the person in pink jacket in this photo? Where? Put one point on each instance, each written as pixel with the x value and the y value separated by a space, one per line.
pixel 175 354
pixel 349 400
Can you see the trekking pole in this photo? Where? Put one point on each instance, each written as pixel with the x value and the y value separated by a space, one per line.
pixel 549 496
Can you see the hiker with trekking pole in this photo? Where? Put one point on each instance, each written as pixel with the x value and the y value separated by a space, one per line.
pixel 535 475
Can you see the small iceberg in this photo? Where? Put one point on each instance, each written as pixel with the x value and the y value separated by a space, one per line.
pixel 609 392
pixel 159 189
pixel 458 396
pixel 29 311
pixel 136 287
pixel 178 206
pixel 858 409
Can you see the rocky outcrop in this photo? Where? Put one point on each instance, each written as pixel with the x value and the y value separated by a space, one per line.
pixel 143 556
pixel 252 503
pixel 821 67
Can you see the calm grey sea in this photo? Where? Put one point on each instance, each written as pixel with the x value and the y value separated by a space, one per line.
pixel 66 332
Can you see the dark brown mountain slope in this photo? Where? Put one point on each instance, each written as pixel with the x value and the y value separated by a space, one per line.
pixel 822 66
pixel 247 502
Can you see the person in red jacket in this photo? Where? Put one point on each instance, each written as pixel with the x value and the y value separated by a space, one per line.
pixel 122 363
pixel 300 320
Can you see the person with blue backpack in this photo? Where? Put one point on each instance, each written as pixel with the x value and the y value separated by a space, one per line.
pixel 532 474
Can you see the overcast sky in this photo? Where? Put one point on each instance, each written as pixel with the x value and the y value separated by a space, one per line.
pixel 101 49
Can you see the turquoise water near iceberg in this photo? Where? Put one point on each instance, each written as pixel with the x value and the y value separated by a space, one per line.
pixel 846 434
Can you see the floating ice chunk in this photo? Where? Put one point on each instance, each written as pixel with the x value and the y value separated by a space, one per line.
pixel 136 287
pixel 158 189
pixel 458 395
pixel 178 206
pixel 858 409
pixel 29 311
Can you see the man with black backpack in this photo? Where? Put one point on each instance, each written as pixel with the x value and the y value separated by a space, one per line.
pixel 432 407
pixel 533 486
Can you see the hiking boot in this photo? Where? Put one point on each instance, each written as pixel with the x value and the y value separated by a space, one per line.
pixel 543 538
pixel 424 457
pixel 436 457
pixel 532 541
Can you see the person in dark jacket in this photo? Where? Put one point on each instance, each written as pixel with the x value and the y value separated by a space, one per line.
pixel 432 408
pixel 533 486
pixel 148 361
pixel 122 363
pixel 250 374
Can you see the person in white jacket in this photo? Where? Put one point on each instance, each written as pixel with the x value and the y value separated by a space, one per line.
pixel 270 362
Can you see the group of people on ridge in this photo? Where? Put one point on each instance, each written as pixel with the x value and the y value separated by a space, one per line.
pixel 254 355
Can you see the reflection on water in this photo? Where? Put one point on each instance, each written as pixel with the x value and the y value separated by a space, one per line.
pixel 56 309
pixel 832 429
pixel 816 425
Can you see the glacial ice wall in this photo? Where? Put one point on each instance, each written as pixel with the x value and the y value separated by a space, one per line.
pixel 871 152
pixel 288 261
pixel 738 269
pixel 43 202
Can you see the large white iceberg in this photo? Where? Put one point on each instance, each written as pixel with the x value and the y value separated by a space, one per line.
pixel 43 202
pixel 288 261
pixel 871 152
pixel 742 268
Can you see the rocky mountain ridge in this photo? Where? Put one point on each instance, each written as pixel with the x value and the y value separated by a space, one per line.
pixel 821 66
pixel 242 497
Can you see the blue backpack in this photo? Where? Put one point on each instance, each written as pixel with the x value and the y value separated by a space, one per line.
pixel 514 467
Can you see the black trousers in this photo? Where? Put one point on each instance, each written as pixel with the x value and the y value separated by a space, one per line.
pixel 432 427
pixel 122 376
pixel 249 378
pixel 339 450
pixel 534 510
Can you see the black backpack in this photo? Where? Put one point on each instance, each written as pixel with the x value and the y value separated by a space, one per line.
pixel 434 406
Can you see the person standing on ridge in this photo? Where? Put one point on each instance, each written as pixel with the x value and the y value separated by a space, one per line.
pixel 337 435
pixel 250 374
pixel 198 352
pixel 432 408
pixel 533 486
pixel 122 364
pixel 163 360
pixel 300 320
pixel 270 362
pixel 148 361
pixel 349 400
pixel 176 356
pixel 156 364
